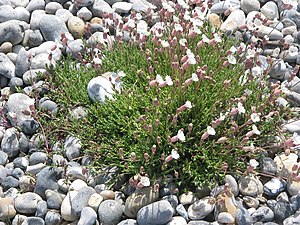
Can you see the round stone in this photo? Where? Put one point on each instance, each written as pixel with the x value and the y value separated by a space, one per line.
pixel 52 27
pixel 27 203
pixel 76 27
pixel 201 208
pixel 250 186
pixel 7 209
pixel 110 212
pixel 248 6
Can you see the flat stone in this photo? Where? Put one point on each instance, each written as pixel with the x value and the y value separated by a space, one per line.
pixel 7 67
pixel 27 203
pixel 52 27
pixel 274 186
pixel 11 31
pixel 141 197
pixel 263 214
pixel 234 21
pixel 46 179
pixel 157 213
pixel 10 142
pixel 81 200
pixel 250 186
pixel 7 209
pixel 249 6
pixel 272 33
pixel 122 7
pixel 72 147
pixel 35 5
pixel 88 216
pixel 270 10
pixel 99 7
pixel 201 208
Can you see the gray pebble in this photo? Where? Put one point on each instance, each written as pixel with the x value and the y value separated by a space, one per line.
pixel 51 27
pixel 88 216
pixel 21 162
pixel 35 5
pixel 18 173
pixel 157 213
pixel 38 157
pixel 282 210
pixel 33 220
pixel 263 214
pixel 81 200
pixel 110 212
pixel 52 7
pixel 15 83
pixel 274 186
pixel 52 218
pixel 7 68
pixel 3 158
pixel 41 209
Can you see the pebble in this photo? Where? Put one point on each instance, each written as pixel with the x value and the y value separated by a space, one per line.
pixel 201 208
pixel 272 33
pixel 51 27
pixel 81 200
pixel 157 213
pixel 46 179
pixel 270 10
pixel 11 31
pixel 76 27
pixel 263 214
pixel 187 198
pixel 274 186
pixel 234 21
pixel 100 89
pixel 7 209
pixel 54 199
pixel 27 203
pixel 52 218
pixel 110 212
pixel 225 217
pixel 250 186
pixel 88 216
pixel 249 6
pixel 282 210
pixel 176 220
pixel 72 147
pixel 141 197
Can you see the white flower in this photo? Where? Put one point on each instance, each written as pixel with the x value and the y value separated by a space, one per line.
pixel 187 16
pixel 178 27
pixel 293 51
pixel 97 60
pixel 142 28
pixel 253 163
pixel 241 108
pixel 121 74
pixel 296 139
pixel 188 104
pixel 255 129
pixel 191 57
pixel 138 16
pixel 217 38
pixel 159 78
pixel 131 23
pixel 183 4
pixel 205 38
pixel 195 77
pixel 211 130
pixel 182 42
pixel 174 154
pixel 169 80
pixel 145 181
pixel 180 135
pixel 231 59
pixel 175 19
pixel 233 49
pixel 165 44
pixel 255 117
pixel 168 7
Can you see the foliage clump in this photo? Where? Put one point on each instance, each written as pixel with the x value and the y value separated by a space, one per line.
pixel 194 103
